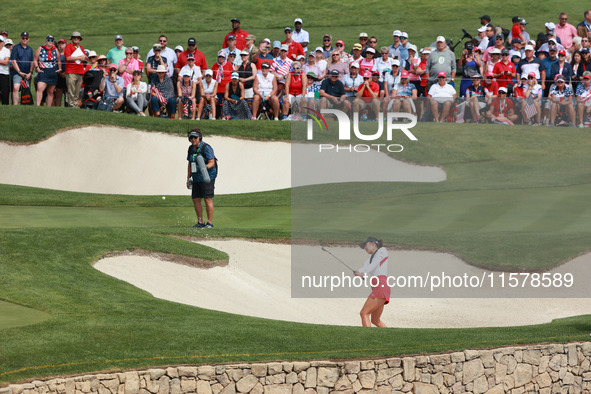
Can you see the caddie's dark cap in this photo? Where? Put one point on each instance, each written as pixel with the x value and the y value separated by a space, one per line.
pixel 194 133
pixel 369 239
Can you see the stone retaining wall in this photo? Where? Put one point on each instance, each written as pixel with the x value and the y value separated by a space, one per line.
pixel 549 368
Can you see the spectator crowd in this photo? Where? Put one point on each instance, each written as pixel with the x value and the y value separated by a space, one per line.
pixel 505 75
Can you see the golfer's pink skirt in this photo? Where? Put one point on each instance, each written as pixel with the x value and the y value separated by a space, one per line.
pixel 382 290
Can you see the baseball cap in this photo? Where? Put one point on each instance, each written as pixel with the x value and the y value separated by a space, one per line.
pixel 208 72
pixel 92 54
pixel 500 37
pixel 118 37
pixel 395 62
pixel 327 35
pixel 489 74
pixel 135 49
pixel 363 35
pixel 369 239
pixel 523 22
pixel 113 65
pixel 235 20
pixel 297 20
pixel 265 65
pixel 235 75
pixel 482 29
pixel 485 16
pixel 50 37
pixel 515 19
pixel 311 74
pixel 319 49
pixel 426 50
pixel 287 28
pixel 8 42
pixel 562 52
pixel 222 54
pixel 334 72
pixel 495 51
pixel 587 75
pixel 186 74
pixel 276 44
pixel 311 54
pixel 190 56
pixel 524 76
pixel 231 37
pixel 355 64
pixel 503 89
pixel 195 133
pixel 532 74
pixel 552 48
pixel 157 47
pixel 25 34
pixel 370 50
pixel 413 47
pixel 529 48
pixel 440 39
pixel 441 74
pixel 550 25
pixel 367 74
pixel 357 46
pixel 267 40
pixel 179 48
pixel 584 50
pixel 559 77
pixel 1 38
pixel 478 76
pixel 63 40
pixel 245 52
pixel 396 33
pixel 404 35
pixel 515 41
pixel 341 42
pixel 284 47
pixel 192 41
pixel 252 37
pixel 101 57
pixel 404 74
pixel 505 51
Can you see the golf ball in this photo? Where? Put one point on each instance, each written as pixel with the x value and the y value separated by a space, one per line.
pixel 163 197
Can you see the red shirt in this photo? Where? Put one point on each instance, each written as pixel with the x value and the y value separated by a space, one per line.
pixel 503 109
pixel 295 49
pixel 423 66
pixel 499 68
pixel 295 85
pixel 227 75
pixel 140 65
pixel 73 67
pixel 493 88
pixel 240 40
pixel 516 30
pixel 373 86
pixel 200 60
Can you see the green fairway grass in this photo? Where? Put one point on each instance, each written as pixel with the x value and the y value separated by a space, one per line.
pixel 515 197
pixel 12 315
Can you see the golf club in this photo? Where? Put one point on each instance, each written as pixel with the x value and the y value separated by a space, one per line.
pixel 328 251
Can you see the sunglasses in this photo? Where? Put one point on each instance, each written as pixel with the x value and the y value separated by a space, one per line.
pixel 326 39
pixel 296 68
pixel 563 19
pixel 129 53
pixel 373 42
pixel 336 55
pixel 502 92
pixel 192 138
pixel 441 77
pixel 161 40
pixel 50 40
pixel 340 45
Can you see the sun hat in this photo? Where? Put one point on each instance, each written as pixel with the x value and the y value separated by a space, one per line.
pixel 161 68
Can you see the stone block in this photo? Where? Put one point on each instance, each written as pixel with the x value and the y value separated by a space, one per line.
pixel 278 389
pixel 172 372
pixel 480 385
pixel 498 389
pixel 573 358
pixel 532 357
pixel 246 384
pixel 274 368
pixel 423 388
pixel 408 367
pixel 223 379
pixel 234 374
pixel 217 388
pixel 544 380
pixel 352 367
pixel 394 362
pixel 188 384
pixel 291 378
pixel 229 389
pixel 287 367
pixel 175 386
pixel 156 374
pixel 471 354
pixel 367 364
pixel 260 370
pixel 297 389
pixel 187 372
pixel 472 370
pixel 396 382
pixel 311 376
pixel 342 383
pixel 386 374
pixel 164 385
pixel 132 382
pixel 206 372
pixel 458 357
pixel 440 359
pixel 523 374
pixel 327 377
pixel 367 379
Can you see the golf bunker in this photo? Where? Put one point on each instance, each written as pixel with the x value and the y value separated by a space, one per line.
pixel 256 281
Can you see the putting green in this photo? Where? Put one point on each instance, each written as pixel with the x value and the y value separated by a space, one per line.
pixel 12 315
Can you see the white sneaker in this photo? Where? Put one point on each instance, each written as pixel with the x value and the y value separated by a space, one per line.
pixel 142 114
pixel 581 125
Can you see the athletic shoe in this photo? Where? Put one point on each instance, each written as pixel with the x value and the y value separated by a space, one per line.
pixel 253 118
pixel 142 114
pixel 581 125
pixel 208 225
pixel 199 225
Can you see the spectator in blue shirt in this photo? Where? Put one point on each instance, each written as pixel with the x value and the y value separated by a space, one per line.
pixel 22 61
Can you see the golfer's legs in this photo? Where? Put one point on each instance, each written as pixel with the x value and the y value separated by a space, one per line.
pixel 198 209
pixel 370 308
pixel 209 209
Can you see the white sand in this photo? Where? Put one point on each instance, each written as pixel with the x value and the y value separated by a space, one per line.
pixel 257 283
pixel 123 161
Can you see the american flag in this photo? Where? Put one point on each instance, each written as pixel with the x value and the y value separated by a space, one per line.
pixel 156 92
pixel 530 108
pixel 461 112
